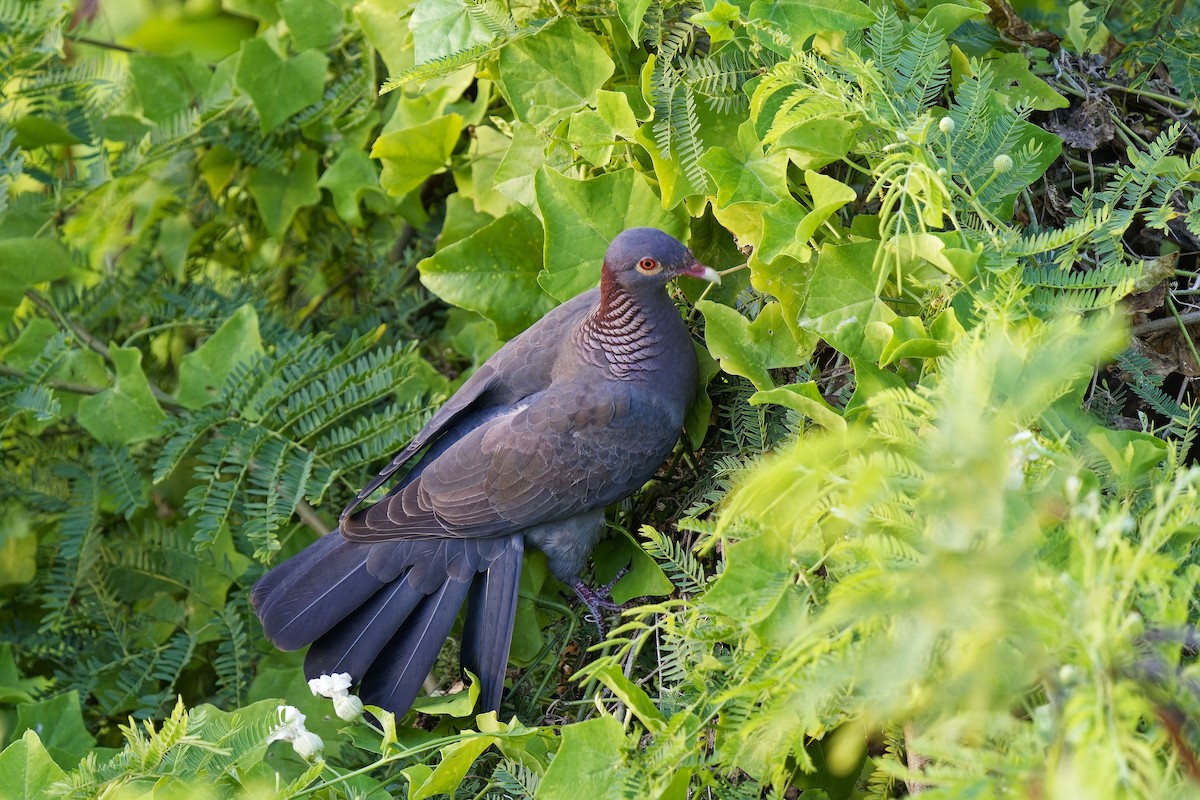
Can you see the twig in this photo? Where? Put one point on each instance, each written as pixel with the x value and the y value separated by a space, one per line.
pixel 916 761
pixel 95 344
pixel 1166 323
pixel 308 515
pixel 65 386
pixel 345 279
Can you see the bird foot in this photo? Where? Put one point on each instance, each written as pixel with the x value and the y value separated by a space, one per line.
pixel 598 600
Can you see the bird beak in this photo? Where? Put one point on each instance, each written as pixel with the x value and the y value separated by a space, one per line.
pixel 698 270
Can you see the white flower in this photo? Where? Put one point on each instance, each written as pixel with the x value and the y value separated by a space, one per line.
pixel 337 688
pixel 1023 448
pixel 292 725
pixel 946 125
pixel 291 729
pixel 331 685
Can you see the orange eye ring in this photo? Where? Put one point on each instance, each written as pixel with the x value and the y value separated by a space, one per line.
pixel 648 265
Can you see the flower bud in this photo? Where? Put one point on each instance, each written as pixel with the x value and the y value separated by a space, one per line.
pixel 309 746
pixel 946 125
pixel 347 707
pixel 1002 163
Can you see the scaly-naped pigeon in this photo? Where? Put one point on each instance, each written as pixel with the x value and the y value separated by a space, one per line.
pixel 573 414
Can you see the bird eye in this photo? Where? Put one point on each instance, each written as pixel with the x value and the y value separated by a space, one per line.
pixel 648 265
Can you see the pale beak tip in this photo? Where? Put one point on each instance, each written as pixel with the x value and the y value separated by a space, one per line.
pixel 704 273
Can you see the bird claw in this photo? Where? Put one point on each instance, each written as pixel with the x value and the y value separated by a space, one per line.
pixel 597 602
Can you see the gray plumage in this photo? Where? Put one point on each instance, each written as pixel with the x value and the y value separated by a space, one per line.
pixel 575 413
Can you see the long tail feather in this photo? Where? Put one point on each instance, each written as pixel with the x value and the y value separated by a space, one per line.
pixel 353 645
pixel 400 669
pixel 488 627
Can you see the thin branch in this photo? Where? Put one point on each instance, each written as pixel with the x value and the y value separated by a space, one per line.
pixel 1166 323
pixel 65 386
pixel 65 322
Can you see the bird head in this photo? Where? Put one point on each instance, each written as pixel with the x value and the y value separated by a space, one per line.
pixel 646 258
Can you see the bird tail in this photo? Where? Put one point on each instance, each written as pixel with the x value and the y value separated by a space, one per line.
pixel 381 611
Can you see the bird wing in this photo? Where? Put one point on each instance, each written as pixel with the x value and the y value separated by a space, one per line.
pixel 560 453
pixel 520 368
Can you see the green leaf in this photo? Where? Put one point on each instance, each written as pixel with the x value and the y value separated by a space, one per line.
pixel 528 151
pixel 841 299
pixel 815 144
pixel 907 338
pixel 645 577
pixel 313 23
pixel 279 87
pixel 631 14
pixel 18 557
pixel 1133 455
pixel 748 348
pixel 534 81
pixel 494 272
pixel 411 155
pixel 583 217
pixel 633 696
pixel 442 27
pixel 348 179
pixel 589 763
pixel 168 85
pixel 279 194
pixel 457 758
pixel 800 19
pixel 806 399
pixel 60 721
pixel 26 769
pixel 695 425
pixel 1017 82
pixel 14 688
pixel 25 262
pixel 748 176
pixel 757 574
pixel 459 704
pixel 947 17
pixel 387 32
pixel 718 20
pixel 203 371
pixel 127 412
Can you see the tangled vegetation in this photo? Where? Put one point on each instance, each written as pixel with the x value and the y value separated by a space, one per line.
pixel 932 527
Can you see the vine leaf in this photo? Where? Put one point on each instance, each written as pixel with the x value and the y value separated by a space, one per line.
pixel 751 349
pixel 442 27
pixel 534 81
pixel 348 179
pixel 842 301
pixel 24 262
pixel 590 762
pixel 280 193
pixel 749 176
pixel 61 720
pixel 582 217
pixel 800 19
pixel 204 370
pixel 279 87
pixel 313 23
pixel 806 399
pixel 494 272
pixel 127 412
pixel 412 154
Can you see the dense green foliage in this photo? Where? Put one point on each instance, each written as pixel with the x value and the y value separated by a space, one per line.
pixel 933 524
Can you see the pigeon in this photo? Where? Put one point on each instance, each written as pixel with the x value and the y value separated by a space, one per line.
pixel 570 416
